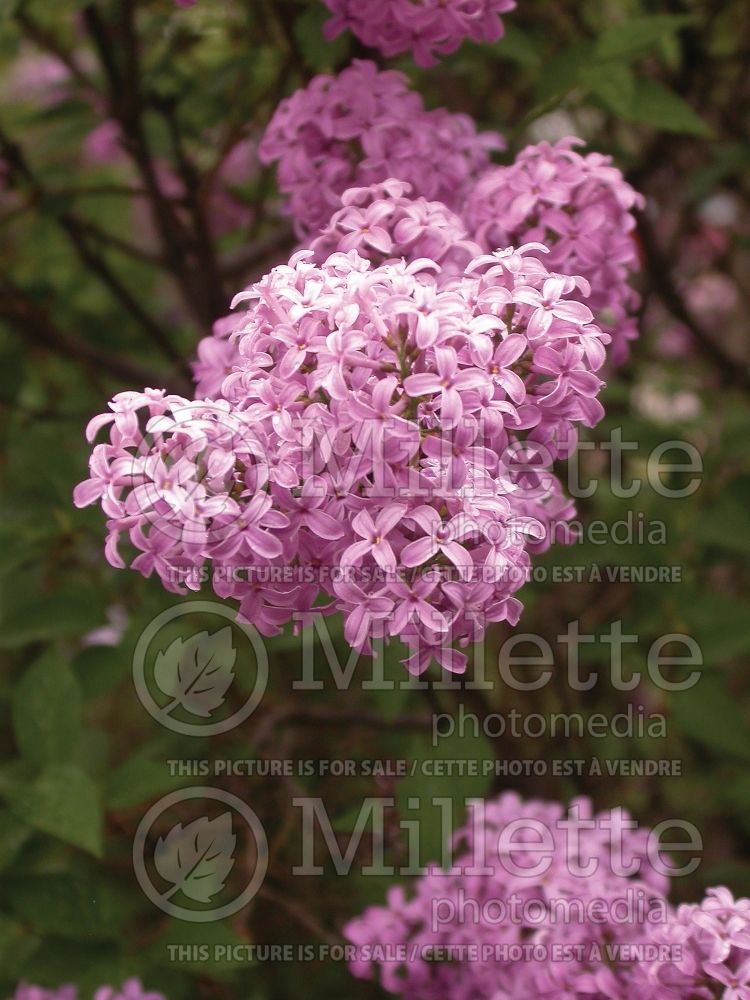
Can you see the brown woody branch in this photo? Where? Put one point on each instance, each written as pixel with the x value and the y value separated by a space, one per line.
pixel 78 234
pixel 34 325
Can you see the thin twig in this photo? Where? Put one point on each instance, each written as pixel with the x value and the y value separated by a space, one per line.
pixel 299 914
pixel 33 323
pixel 76 232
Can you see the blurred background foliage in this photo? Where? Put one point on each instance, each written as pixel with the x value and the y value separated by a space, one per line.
pixel 115 263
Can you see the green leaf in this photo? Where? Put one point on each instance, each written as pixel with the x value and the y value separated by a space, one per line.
pixel 187 936
pixel 656 105
pixel 71 906
pixel 613 84
pixel 88 964
pixel 46 708
pixel 519 46
pixel 638 36
pixel 443 772
pixel 14 943
pixel 62 801
pixel 726 525
pixel 100 668
pixel 13 835
pixel 50 617
pixel 562 71
pixel 137 780
pixel 718 623
pixel 707 714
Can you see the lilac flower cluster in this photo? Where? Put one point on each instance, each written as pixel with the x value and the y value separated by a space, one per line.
pixel 363 127
pixel 130 990
pixel 533 900
pixel 708 949
pixel 539 901
pixel 581 208
pixel 427 28
pixel 382 222
pixel 386 438
pixel 365 130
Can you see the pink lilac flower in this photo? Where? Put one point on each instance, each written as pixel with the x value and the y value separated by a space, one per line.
pixel 705 952
pixel 531 874
pixel 217 355
pixel 535 900
pixel 240 165
pixel 130 990
pixel 427 28
pixel 37 78
pixel 102 145
pixel 360 128
pixel 383 222
pixel 581 208
pixel 368 432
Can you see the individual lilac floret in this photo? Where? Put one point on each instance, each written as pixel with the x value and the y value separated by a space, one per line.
pixel 360 128
pixel 384 444
pixel 427 28
pixel 217 356
pixel 705 952
pixel 581 208
pixel 536 901
pixel 383 222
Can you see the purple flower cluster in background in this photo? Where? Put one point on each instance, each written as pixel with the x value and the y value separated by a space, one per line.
pixel 555 904
pixel 581 208
pixel 426 28
pixel 363 127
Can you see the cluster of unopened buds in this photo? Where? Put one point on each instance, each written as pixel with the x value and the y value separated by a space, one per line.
pixel 546 902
